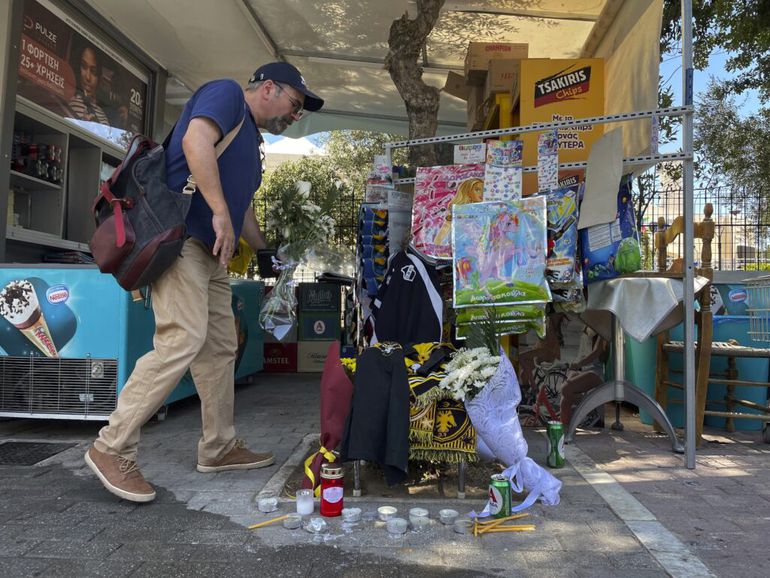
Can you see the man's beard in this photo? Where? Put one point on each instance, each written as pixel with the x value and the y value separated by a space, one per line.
pixel 277 124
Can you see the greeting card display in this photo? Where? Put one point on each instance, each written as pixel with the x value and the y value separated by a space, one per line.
pixel 548 160
pixel 500 252
pixel 502 181
pixel 436 191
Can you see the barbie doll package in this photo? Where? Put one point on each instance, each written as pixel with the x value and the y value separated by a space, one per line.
pixel 436 191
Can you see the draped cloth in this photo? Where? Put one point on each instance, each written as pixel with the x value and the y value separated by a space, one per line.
pixel 439 428
pixel 441 431
pixel 377 427
pixel 336 392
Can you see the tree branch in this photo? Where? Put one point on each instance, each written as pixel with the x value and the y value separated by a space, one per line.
pixel 406 41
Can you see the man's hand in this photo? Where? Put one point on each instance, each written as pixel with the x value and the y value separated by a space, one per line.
pixel 198 145
pixel 225 241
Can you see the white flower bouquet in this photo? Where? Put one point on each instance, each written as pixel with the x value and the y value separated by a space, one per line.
pixel 299 223
pixel 488 386
pixel 494 415
pixel 303 227
pixel 468 372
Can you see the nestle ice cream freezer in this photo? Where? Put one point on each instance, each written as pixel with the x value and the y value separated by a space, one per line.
pixel 70 336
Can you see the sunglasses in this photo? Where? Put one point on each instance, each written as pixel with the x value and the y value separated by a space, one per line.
pixel 297 110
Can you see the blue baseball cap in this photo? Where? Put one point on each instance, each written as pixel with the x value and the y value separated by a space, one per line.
pixel 285 73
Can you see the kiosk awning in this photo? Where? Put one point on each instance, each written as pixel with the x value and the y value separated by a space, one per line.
pixel 340 47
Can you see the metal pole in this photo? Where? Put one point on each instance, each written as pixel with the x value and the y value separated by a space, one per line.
pixel 388 154
pixel 687 187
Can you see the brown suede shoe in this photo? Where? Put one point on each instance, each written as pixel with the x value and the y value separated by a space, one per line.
pixel 120 476
pixel 239 458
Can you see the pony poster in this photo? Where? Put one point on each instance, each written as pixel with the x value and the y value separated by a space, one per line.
pixel 436 191
pixel 500 251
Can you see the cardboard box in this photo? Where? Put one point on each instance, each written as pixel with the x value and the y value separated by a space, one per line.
pixel 480 53
pixel 280 358
pixel 319 297
pixel 503 76
pixel 456 86
pixel 319 325
pixel 561 89
pixel 311 356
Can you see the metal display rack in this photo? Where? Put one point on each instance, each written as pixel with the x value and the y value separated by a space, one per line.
pixel 686 156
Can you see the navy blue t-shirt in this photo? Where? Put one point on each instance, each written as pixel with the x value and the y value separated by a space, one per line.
pixel 240 168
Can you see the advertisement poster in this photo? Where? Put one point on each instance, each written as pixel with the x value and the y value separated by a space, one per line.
pixel 555 90
pixel 436 191
pixel 67 70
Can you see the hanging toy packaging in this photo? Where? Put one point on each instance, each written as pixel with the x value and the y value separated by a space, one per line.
pixel 611 249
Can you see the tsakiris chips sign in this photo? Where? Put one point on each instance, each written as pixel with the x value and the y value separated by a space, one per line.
pixel 558 90
pixel 568 84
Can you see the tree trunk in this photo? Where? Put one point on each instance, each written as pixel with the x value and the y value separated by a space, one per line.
pixel 406 42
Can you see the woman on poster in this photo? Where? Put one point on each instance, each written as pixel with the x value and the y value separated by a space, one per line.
pixel 83 105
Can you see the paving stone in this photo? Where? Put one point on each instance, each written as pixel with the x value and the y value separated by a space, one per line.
pixel 76 550
pixel 126 534
pixel 198 569
pixel 149 551
pixel 16 546
pixel 77 533
pixel 216 537
pixel 18 566
pixel 48 518
pixel 621 573
pixel 92 568
pixel 628 561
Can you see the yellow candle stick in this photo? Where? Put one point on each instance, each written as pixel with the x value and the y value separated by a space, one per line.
pixel 486 526
pixel 497 520
pixel 527 528
pixel 268 522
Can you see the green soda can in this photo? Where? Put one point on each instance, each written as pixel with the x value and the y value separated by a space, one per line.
pixel 555 434
pixel 499 496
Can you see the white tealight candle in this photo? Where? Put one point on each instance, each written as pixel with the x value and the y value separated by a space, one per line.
pixel 305 504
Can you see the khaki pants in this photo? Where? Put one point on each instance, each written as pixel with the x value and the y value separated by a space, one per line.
pixel 195 329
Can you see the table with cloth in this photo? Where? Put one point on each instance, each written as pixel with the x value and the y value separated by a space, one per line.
pixel 642 307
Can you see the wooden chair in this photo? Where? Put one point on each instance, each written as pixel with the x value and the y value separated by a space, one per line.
pixel 703 318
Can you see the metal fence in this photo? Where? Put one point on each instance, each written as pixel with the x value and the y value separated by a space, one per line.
pixel 742 227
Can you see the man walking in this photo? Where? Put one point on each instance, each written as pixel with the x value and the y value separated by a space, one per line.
pixel 194 324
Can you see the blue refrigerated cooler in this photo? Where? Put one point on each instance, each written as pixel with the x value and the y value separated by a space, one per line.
pixel 70 336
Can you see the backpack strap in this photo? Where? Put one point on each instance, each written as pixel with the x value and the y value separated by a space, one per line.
pixel 190 187
pixel 137 146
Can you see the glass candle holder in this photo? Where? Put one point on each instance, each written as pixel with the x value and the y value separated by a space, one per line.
pixel 417 515
pixel 396 525
pixel 448 516
pixel 385 513
pixel 351 515
pixel 267 505
pixel 292 521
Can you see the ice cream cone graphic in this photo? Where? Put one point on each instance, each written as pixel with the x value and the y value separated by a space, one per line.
pixel 20 306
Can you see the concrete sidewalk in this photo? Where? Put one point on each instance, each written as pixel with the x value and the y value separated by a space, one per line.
pixel 629 508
